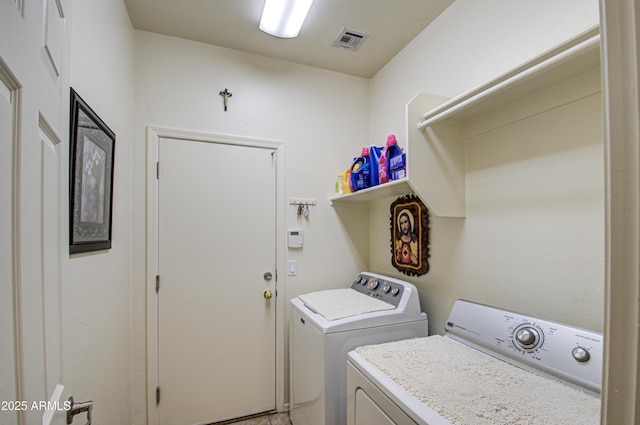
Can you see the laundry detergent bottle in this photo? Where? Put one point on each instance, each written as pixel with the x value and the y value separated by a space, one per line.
pixel 346 183
pixel 374 155
pixel 383 168
pixel 360 171
pixel 396 160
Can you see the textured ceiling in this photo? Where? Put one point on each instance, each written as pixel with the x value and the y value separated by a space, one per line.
pixel 234 24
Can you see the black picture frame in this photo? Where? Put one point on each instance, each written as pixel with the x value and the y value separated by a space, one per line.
pixel 91 160
pixel 410 236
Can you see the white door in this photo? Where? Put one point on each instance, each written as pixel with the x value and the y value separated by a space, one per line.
pixel 33 131
pixel 216 253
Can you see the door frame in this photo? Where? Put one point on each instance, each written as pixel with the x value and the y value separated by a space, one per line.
pixel 153 139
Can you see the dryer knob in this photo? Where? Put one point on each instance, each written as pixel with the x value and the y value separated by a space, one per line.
pixel 580 354
pixel 527 337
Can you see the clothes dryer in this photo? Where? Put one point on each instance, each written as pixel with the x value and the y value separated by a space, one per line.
pixel 493 366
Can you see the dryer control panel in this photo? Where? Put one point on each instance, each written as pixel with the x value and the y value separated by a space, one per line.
pixel 384 288
pixel 570 353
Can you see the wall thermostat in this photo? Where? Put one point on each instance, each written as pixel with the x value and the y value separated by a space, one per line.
pixel 296 238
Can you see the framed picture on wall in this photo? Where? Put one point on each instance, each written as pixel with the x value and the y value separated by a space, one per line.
pixel 410 236
pixel 91 161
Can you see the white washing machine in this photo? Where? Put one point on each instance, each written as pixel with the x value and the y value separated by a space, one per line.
pixel 326 325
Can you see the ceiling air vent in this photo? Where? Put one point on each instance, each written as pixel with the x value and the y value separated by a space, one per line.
pixel 350 39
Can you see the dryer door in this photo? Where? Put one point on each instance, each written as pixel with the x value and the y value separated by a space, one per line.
pixel 368 412
pixel 368 405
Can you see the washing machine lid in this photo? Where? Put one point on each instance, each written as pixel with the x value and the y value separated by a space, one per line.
pixel 335 304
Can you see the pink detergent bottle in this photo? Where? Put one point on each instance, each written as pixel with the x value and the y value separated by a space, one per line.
pixel 383 161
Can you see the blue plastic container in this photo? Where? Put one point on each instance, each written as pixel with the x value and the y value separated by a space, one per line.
pixel 374 155
pixel 361 171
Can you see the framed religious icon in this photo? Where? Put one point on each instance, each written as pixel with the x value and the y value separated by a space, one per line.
pixel 91 158
pixel 410 236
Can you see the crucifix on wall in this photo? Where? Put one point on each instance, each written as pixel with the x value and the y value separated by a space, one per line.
pixel 226 95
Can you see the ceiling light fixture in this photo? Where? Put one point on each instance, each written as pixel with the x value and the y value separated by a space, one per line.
pixel 284 18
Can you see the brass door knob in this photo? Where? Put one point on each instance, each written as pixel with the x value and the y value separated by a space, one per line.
pixel 268 294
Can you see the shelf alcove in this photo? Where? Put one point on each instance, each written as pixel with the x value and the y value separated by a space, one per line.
pixel 436 139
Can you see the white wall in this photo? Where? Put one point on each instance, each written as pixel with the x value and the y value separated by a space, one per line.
pixel 537 254
pixel 97 285
pixel 321 117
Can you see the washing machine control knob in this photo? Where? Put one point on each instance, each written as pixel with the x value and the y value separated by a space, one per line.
pixel 386 288
pixel 395 291
pixel 374 284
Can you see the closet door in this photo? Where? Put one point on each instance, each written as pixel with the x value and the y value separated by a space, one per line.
pixel 34 369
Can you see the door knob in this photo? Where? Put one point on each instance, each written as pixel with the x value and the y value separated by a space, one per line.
pixel 268 294
pixel 75 408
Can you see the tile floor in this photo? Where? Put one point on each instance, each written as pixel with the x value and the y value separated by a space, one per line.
pixel 274 419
